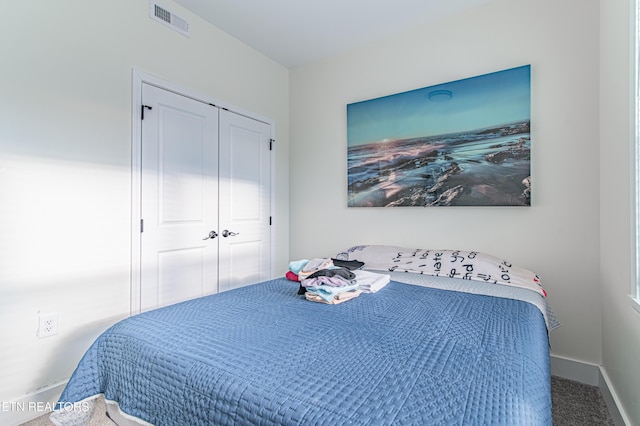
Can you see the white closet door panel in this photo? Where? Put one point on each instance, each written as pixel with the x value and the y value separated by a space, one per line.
pixel 179 198
pixel 244 201
pixel 242 261
pixel 180 275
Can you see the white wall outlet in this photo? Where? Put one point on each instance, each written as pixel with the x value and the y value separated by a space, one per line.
pixel 48 325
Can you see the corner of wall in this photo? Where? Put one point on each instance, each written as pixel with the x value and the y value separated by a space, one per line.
pixel 594 375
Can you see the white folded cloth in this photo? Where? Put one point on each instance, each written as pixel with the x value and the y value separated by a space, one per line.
pixel 370 282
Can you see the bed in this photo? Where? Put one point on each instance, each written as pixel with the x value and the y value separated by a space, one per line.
pixel 425 349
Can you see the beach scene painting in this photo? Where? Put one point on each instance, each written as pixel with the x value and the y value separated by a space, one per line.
pixel 461 143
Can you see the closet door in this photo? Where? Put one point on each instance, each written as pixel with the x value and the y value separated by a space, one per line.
pixel 244 206
pixel 179 198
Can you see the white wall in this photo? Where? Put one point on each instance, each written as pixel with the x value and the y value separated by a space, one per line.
pixel 621 323
pixel 557 236
pixel 65 162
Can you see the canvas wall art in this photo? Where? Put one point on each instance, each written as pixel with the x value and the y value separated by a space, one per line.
pixel 462 143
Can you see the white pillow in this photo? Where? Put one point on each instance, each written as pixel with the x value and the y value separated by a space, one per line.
pixel 467 265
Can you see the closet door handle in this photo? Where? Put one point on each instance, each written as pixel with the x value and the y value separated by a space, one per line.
pixel 211 235
pixel 226 233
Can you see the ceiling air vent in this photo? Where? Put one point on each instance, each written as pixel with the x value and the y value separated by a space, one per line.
pixel 170 19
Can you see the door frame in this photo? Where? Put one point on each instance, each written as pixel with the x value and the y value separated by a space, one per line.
pixel 138 79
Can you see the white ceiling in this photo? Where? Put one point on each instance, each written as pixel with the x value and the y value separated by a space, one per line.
pixel 296 32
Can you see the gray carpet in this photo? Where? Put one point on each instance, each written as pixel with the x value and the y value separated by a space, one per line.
pixel 574 404
pixel 577 404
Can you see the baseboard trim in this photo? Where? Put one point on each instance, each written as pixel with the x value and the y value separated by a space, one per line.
pixel 31 405
pixel 618 414
pixel 572 369
pixel 594 375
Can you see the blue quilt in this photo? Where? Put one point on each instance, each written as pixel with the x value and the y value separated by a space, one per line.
pixel 262 354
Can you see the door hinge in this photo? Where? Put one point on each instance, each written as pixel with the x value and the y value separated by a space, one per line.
pixel 270 221
pixel 142 107
pixel 271 141
pixel 141 226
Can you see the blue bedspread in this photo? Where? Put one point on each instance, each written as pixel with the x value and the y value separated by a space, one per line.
pixel 264 355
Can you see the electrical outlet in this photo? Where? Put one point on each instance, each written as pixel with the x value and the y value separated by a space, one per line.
pixel 48 325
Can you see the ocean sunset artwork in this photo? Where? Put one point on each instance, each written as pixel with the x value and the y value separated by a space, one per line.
pixel 462 143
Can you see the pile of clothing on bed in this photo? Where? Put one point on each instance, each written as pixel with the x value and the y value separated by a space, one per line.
pixel 333 281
